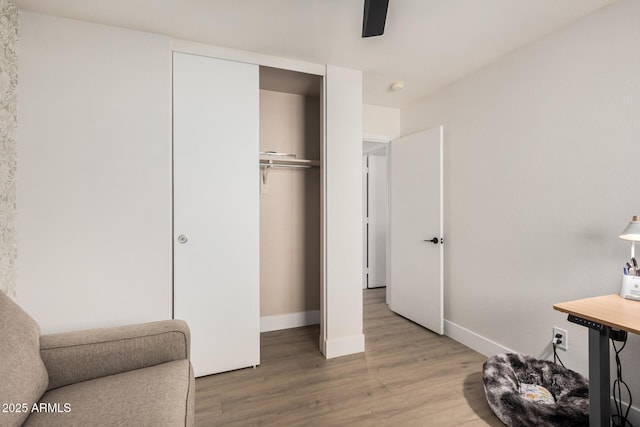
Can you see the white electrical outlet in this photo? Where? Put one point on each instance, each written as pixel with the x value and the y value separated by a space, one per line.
pixel 563 341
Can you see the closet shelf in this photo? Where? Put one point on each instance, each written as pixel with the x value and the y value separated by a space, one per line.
pixel 269 159
pixel 289 162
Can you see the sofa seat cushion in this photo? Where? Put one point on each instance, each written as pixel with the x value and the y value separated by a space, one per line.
pixel 153 396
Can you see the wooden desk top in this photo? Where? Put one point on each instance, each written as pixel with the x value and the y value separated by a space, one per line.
pixel 610 310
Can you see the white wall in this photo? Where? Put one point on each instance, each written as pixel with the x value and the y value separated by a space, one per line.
pixel 380 123
pixel 94 174
pixel 540 177
pixel 290 212
pixel 342 299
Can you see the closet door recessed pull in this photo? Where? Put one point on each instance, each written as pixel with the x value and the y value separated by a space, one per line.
pixel 182 239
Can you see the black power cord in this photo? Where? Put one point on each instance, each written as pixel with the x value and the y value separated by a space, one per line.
pixel 620 418
pixel 556 358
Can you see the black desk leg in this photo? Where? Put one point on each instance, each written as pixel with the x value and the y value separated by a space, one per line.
pixel 599 394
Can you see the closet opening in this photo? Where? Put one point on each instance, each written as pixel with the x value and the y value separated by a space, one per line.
pixel 290 199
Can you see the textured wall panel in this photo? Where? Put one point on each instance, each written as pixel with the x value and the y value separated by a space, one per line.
pixel 8 83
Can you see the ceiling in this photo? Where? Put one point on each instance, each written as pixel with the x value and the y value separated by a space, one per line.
pixel 427 44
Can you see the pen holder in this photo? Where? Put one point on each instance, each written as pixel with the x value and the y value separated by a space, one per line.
pixel 630 288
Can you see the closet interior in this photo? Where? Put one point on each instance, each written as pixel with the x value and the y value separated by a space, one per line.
pixel 290 198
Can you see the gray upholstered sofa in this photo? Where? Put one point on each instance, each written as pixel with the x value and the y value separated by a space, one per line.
pixel 137 375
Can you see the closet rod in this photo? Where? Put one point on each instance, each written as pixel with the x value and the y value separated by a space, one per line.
pixel 268 164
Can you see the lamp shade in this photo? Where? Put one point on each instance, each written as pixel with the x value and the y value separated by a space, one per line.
pixel 632 232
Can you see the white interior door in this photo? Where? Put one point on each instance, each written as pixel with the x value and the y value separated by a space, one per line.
pixel 216 210
pixel 416 217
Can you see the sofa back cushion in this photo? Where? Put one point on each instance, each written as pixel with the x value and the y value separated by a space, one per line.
pixel 23 377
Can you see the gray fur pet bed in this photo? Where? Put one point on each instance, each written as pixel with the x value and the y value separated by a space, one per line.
pixel 512 386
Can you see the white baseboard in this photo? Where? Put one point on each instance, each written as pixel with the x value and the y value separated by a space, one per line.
pixel 290 320
pixel 343 346
pixel 474 341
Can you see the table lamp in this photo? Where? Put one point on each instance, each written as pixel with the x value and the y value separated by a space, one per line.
pixel 632 232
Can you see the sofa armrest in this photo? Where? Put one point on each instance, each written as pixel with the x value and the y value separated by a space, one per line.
pixel 83 355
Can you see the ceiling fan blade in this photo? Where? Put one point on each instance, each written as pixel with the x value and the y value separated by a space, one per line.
pixel 375 15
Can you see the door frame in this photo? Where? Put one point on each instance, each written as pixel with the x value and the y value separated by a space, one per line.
pixel 369 145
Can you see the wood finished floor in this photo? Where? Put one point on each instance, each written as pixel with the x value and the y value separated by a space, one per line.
pixel 408 376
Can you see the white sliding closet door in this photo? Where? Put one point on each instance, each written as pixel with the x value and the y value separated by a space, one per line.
pixel 216 210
